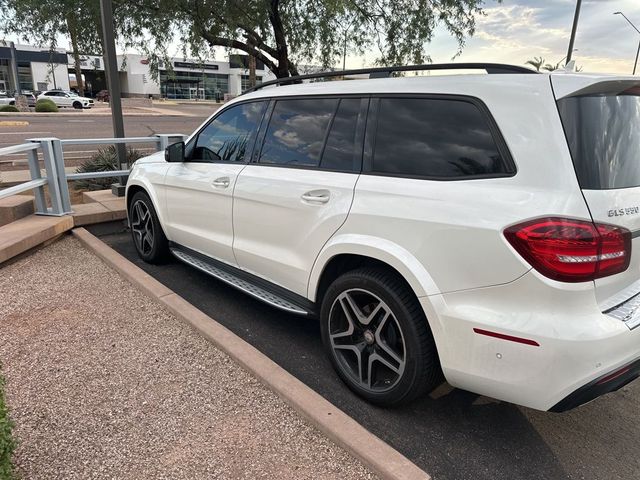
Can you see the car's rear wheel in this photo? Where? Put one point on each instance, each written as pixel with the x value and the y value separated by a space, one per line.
pixel 149 239
pixel 378 338
pixel 77 105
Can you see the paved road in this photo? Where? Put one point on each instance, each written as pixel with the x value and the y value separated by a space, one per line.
pixel 452 435
pixel 85 125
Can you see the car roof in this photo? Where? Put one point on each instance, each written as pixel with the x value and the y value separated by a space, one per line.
pixel 436 84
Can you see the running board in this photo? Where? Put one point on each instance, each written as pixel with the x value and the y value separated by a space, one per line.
pixel 247 285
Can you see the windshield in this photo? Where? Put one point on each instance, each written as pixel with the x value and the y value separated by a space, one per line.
pixel 603 132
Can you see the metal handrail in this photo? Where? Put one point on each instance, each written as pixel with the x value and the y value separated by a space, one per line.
pixel 25 147
pixel 56 177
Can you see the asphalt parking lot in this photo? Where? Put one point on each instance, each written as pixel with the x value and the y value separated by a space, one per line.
pixel 452 434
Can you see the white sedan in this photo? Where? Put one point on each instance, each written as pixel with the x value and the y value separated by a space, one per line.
pixel 6 99
pixel 67 99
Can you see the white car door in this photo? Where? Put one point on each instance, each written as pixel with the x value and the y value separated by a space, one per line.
pixel 199 191
pixel 298 190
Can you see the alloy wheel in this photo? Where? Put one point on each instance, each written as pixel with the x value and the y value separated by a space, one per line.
pixel 367 340
pixel 142 227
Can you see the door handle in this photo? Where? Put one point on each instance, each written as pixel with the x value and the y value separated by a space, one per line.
pixel 316 196
pixel 222 182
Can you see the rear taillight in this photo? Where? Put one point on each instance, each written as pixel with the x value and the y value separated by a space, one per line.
pixel 572 250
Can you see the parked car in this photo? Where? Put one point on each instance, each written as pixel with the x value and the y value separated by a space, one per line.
pixel 484 229
pixel 6 99
pixel 67 99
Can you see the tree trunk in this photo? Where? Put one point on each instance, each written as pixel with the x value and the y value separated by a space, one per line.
pixel 73 35
pixel 283 69
pixel 252 71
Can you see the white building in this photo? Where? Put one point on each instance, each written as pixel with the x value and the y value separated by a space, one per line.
pixel 40 69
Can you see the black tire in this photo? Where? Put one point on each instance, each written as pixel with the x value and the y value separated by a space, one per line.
pixel 407 332
pixel 153 248
pixel 77 105
pixel 12 104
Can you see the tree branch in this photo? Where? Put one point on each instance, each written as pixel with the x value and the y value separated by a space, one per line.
pixel 230 43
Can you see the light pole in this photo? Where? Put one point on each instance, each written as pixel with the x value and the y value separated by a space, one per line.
pixel 635 28
pixel 344 52
pixel 573 30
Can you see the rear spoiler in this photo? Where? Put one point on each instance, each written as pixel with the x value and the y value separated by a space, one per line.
pixel 570 85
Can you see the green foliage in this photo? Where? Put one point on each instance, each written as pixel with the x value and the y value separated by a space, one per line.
pixel 7 444
pixel 104 161
pixel 44 22
pixel 283 34
pixel 46 105
pixel 8 108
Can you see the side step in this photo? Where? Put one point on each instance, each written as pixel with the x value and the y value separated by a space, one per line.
pixel 254 286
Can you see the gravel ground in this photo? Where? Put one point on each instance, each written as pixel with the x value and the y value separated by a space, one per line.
pixel 105 383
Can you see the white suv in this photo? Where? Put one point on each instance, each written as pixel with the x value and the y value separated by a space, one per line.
pixel 67 99
pixel 479 227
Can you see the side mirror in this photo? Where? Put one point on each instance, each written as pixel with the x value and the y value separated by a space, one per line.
pixel 174 152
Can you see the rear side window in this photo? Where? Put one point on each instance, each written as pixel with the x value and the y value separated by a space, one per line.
pixel 603 132
pixel 339 151
pixel 436 139
pixel 297 132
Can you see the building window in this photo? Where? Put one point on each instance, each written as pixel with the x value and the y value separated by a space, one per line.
pixel 193 85
pixel 244 81
pixel 24 76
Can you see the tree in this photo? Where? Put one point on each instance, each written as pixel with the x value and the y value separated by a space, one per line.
pixel 551 68
pixel 537 62
pixel 43 22
pixel 284 33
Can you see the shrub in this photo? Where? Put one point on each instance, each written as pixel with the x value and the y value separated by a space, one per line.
pixel 46 105
pixel 7 444
pixel 8 108
pixel 105 160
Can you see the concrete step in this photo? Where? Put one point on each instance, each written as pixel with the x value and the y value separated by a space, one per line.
pixel 99 206
pixel 28 232
pixel 15 208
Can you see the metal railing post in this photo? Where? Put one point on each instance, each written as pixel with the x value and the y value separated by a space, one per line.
pixel 34 169
pixel 58 156
pixel 164 139
pixel 60 203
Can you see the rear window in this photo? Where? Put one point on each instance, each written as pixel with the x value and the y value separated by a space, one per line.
pixel 436 139
pixel 603 132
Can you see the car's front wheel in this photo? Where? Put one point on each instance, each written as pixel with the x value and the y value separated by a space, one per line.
pixel 151 243
pixel 378 338
pixel 77 105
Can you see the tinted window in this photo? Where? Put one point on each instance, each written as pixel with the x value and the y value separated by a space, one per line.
pixel 229 136
pixel 434 138
pixel 297 130
pixel 339 151
pixel 604 138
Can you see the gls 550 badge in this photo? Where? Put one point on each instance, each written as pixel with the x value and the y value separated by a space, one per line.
pixel 621 212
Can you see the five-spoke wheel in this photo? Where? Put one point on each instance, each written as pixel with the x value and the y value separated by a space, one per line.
pixel 367 340
pixel 148 237
pixel 378 338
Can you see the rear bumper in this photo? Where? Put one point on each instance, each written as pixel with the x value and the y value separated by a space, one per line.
pixel 605 384
pixel 553 349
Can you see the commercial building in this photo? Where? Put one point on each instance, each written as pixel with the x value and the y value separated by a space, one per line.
pixel 41 69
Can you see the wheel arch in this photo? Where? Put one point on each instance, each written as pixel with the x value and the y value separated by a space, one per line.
pixel 346 252
pixel 137 185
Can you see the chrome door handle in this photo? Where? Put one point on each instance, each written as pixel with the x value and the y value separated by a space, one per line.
pixel 321 196
pixel 222 182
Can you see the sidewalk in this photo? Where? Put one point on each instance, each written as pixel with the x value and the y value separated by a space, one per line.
pixel 105 383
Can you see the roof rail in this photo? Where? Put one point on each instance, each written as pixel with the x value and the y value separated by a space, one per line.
pixel 384 72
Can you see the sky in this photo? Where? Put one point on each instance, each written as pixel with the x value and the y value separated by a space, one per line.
pixel 514 31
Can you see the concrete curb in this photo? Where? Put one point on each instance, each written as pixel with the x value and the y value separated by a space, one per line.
pixel 380 457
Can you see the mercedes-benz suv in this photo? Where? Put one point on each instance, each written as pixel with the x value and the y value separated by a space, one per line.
pixel 479 228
